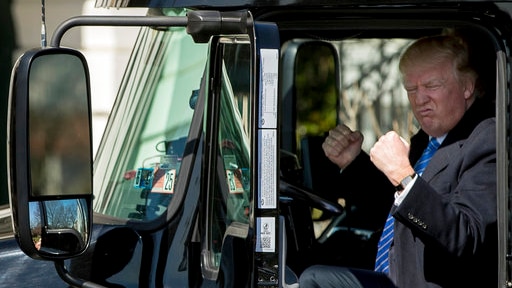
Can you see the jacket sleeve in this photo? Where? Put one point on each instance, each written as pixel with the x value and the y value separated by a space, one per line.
pixel 455 205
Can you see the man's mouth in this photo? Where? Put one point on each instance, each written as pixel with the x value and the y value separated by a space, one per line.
pixel 424 112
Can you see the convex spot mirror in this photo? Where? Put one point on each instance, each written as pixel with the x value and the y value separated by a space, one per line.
pixel 49 153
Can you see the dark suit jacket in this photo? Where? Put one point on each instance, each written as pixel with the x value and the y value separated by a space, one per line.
pixel 445 229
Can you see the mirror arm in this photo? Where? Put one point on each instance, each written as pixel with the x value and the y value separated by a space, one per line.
pixel 201 25
pixel 156 21
pixel 71 280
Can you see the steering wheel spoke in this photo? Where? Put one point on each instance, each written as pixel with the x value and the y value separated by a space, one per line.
pixel 301 193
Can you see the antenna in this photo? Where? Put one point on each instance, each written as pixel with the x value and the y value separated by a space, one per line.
pixel 43 25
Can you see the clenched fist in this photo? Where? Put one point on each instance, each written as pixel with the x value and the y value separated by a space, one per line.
pixel 391 156
pixel 342 145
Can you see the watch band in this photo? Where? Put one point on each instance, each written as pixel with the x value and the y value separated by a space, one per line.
pixel 404 182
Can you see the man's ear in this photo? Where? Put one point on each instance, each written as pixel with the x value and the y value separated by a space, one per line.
pixel 469 88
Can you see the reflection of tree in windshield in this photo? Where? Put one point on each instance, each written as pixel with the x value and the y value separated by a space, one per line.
pixel 52 222
pixel 60 215
pixel 35 223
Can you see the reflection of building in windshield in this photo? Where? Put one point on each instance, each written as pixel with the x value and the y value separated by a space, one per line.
pixel 60 158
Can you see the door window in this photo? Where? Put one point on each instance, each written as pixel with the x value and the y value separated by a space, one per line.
pixel 230 167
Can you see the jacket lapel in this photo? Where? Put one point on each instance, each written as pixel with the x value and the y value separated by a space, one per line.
pixel 441 159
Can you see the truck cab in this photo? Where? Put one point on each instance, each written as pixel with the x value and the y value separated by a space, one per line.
pixel 211 172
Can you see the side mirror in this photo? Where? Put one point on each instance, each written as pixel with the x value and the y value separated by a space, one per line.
pixel 49 153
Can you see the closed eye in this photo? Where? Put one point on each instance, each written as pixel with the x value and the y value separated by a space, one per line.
pixel 410 90
pixel 433 86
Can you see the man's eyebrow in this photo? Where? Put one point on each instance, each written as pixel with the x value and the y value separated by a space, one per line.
pixel 430 82
pixel 434 81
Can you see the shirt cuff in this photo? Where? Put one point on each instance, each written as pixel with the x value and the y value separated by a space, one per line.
pixel 400 197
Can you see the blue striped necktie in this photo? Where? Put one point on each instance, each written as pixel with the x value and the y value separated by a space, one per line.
pixel 382 260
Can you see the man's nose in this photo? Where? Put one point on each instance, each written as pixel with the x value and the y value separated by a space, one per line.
pixel 421 96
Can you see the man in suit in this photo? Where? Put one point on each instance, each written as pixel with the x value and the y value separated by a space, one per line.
pixel 443 217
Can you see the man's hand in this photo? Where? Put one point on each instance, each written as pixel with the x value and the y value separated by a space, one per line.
pixel 391 156
pixel 342 145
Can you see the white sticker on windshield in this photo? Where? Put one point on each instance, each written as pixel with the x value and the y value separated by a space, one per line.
pixel 267 190
pixel 266 234
pixel 268 88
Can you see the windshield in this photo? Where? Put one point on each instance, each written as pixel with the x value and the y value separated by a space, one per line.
pixel 138 162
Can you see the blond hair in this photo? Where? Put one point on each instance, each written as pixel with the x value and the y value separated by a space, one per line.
pixel 436 49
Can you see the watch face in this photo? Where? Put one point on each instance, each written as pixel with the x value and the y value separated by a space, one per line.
pixel 407 180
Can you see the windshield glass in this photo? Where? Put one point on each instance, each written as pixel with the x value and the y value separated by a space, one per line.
pixel 138 162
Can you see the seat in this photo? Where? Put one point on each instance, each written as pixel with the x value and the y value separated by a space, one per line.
pixel 319 171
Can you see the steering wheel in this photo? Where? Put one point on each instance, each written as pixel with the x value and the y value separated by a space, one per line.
pixel 302 193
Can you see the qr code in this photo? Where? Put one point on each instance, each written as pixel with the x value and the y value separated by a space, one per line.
pixel 266 242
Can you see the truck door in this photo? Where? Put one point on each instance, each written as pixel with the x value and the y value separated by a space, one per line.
pixel 240 218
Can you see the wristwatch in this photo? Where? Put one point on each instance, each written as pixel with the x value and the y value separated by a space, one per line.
pixel 404 182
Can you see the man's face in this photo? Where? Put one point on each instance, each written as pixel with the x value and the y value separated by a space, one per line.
pixel 437 97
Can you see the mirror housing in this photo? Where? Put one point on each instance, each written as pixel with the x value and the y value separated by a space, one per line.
pixel 50 153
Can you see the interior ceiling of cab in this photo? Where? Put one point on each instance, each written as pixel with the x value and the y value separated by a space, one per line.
pixel 265 3
pixel 344 19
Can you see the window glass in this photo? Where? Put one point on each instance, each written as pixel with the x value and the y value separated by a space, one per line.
pixel 229 197
pixel 372 98
pixel 368 95
pixel 138 163
pixel 316 88
pixel 355 82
